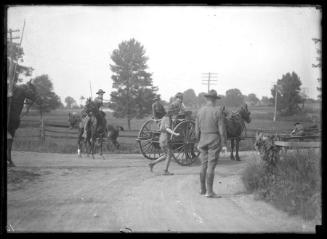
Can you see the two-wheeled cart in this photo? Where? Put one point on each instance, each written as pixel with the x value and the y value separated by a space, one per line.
pixel 184 147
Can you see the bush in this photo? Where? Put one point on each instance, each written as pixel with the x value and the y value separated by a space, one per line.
pixel 294 185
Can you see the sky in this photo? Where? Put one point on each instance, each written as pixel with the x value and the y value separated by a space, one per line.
pixel 248 47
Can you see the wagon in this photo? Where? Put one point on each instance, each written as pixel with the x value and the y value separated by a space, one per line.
pixel 184 146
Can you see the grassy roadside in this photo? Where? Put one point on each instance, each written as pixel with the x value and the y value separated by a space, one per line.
pixel 294 185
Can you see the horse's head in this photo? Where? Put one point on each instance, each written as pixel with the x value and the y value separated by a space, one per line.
pixel 224 111
pixel 245 113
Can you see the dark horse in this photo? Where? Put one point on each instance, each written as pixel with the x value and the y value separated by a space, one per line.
pixel 235 126
pixel 95 132
pixel 113 133
pixel 20 93
pixel 74 120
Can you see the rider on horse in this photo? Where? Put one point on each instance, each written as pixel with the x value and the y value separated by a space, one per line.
pixel 93 109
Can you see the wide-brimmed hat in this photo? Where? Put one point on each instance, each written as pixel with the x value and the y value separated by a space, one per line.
pixel 156 98
pixel 173 108
pixel 212 94
pixel 100 92
pixel 179 95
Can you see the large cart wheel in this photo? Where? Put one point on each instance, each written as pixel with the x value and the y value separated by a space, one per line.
pixel 184 147
pixel 148 140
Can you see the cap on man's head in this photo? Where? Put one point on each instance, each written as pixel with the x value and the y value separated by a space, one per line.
pixel 179 95
pixel 100 92
pixel 212 94
pixel 297 123
pixel 156 98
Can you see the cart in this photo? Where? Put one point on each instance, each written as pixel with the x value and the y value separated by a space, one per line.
pixel 184 146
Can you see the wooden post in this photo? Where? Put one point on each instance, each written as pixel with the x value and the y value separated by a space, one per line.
pixel 42 131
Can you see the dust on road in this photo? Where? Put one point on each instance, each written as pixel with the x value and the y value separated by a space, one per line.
pixel 63 193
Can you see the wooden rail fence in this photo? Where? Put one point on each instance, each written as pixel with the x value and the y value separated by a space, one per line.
pixel 62 131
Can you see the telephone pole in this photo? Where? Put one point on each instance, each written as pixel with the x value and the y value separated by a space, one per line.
pixel 210 79
pixel 11 72
pixel 277 89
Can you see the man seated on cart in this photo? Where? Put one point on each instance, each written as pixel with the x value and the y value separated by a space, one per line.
pixel 298 130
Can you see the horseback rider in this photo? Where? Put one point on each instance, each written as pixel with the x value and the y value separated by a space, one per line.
pixel 93 109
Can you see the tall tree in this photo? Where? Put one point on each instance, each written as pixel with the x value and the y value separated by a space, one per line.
pixel 81 100
pixel 265 100
pixel 318 65
pixel 252 99
pixel 15 54
pixel 47 100
pixel 288 94
pixel 70 101
pixel 234 98
pixel 134 92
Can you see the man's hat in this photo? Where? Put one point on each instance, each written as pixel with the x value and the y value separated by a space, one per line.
pixel 212 94
pixel 179 95
pixel 156 98
pixel 173 108
pixel 297 123
pixel 100 92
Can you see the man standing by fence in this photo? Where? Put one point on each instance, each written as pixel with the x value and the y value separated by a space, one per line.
pixel 210 129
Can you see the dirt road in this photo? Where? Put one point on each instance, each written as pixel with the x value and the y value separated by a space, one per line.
pixel 63 193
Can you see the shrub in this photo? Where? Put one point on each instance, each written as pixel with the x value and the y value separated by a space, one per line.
pixel 293 185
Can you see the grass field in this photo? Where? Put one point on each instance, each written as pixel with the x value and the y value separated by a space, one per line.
pixel 27 136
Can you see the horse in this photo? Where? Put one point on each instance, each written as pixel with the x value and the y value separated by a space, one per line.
pixel 74 119
pixel 235 126
pixel 20 93
pixel 96 130
pixel 113 133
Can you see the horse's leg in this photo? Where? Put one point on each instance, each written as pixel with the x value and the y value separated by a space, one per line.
pixel 237 143
pixel 231 149
pixel 116 144
pixel 92 146
pixel 9 146
pixel 79 144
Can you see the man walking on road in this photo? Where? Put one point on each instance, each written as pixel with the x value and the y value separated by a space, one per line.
pixel 211 132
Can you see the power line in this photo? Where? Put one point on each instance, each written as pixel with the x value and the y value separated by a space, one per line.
pixel 211 79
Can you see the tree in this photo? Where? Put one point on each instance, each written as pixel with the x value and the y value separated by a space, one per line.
pixel 189 98
pixel 70 102
pixel 318 65
pixel 15 57
pixel 47 100
pixel 252 99
pixel 288 96
pixel 81 99
pixel 234 98
pixel 134 93
pixel 265 100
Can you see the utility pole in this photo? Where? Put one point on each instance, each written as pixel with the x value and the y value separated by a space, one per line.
pixel 91 90
pixel 211 79
pixel 276 90
pixel 11 72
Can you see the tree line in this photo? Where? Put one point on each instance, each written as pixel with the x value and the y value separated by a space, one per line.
pixel 133 90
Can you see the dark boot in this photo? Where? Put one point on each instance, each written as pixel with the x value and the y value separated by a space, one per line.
pixel 203 183
pixel 210 193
